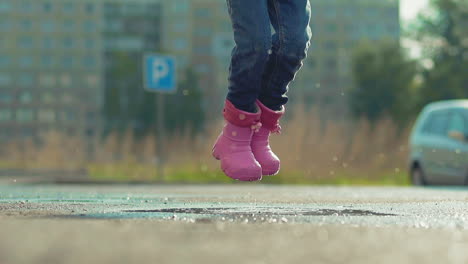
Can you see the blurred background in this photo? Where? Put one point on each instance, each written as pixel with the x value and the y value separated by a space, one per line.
pixel 72 102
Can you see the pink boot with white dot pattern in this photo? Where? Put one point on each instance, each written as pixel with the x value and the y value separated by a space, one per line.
pixel 261 141
pixel 233 145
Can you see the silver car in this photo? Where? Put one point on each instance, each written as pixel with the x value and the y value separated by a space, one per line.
pixel 439 144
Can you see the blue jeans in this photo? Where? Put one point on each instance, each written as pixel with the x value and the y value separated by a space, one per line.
pixel 263 64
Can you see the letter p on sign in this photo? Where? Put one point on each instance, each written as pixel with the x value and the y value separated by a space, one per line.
pixel 159 73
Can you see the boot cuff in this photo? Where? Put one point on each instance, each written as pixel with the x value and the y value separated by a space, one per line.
pixel 269 118
pixel 240 118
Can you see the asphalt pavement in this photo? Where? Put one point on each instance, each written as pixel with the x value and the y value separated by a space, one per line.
pixel 242 223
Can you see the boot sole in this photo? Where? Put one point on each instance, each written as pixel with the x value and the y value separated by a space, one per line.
pixel 270 173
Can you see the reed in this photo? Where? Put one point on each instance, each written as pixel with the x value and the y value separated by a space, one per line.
pixel 312 150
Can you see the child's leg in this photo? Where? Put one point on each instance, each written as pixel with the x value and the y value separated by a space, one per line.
pixel 252 34
pixel 290 19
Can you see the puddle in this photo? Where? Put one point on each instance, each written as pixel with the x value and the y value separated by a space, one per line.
pixel 269 211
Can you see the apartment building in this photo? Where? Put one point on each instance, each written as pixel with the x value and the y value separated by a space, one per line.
pixel 199 32
pixel 50 67
pixel 57 57
pixel 338 26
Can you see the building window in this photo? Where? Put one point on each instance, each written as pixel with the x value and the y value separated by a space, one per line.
pixel 392 12
pixel 180 26
pixel 48 43
pixel 330 46
pixel 111 8
pixel 331 28
pixel 25 42
pixel 25 97
pixel 5 6
pixel 67 61
pixel 67 99
pixel 46 115
pixel 24 115
pixel 203 50
pixel 92 80
pixel 68 43
pixel 5 97
pixel 5 115
pixel 68 7
pixel 5 79
pixel 180 6
pixel 26 25
pixel 47 80
pixel 203 12
pixel 89 62
pixel 89 26
pixel 114 25
pixel 47 7
pixel 311 62
pixel 203 68
pixel 180 44
pixel 89 8
pixel 70 115
pixel 89 43
pixel 330 12
pixel 25 61
pixel 331 64
pixel 5 25
pixel 47 98
pixel 349 11
pixel 203 32
pixel 68 25
pixel 4 61
pixel 65 80
pixel 46 61
pixel 48 26
pixel 25 79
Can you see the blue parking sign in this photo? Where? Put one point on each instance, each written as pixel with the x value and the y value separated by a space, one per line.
pixel 159 73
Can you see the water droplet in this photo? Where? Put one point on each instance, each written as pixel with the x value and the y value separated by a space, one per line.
pixel 234 133
pixel 241 116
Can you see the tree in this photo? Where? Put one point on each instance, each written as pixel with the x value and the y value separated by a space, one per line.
pixel 383 80
pixel 444 36
pixel 128 106
pixel 186 106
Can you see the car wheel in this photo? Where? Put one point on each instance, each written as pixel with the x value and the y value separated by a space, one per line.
pixel 417 177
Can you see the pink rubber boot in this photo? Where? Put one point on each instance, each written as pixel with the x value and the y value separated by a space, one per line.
pixel 260 141
pixel 233 145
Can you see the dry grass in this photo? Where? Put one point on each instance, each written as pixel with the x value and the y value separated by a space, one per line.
pixel 311 150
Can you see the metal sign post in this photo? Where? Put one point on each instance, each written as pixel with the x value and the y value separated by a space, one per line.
pixel 159 77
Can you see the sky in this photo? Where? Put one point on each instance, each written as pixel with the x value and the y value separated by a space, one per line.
pixel 410 8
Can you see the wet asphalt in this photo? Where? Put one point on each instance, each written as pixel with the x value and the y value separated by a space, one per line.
pixel 245 223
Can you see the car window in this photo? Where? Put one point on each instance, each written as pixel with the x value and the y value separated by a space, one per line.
pixel 457 122
pixel 436 123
